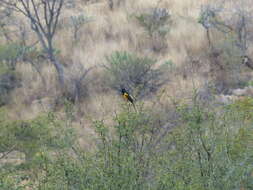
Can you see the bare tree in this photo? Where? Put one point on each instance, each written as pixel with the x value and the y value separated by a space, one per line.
pixel 233 20
pixel 236 20
pixel 43 16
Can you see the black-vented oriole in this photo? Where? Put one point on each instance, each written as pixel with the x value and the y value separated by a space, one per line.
pixel 127 96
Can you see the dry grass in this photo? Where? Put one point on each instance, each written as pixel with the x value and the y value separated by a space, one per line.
pixel 110 31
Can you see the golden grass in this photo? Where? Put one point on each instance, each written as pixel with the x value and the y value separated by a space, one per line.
pixel 111 31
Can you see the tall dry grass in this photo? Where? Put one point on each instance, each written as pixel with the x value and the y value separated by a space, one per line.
pixel 110 31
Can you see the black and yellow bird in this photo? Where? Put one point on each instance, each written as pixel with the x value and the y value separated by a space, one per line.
pixel 127 97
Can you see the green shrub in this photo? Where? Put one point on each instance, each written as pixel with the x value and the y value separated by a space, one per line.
pixel 121 159
pixel 31 136
pixel 43 140
pixel 202 154
pixel 124 159
pixel 244 107
pixel 208 148
pixel 205 151
pixel 155 22
pixel 8 81
pixel 10 53
pixel 138 74
pixel 76 22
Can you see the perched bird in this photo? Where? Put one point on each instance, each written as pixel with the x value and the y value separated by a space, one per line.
pixel 127 96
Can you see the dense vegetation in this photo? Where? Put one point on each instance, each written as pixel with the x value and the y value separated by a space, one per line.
pixel 201 148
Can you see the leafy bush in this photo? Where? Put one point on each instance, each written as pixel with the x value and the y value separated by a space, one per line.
pixel 244 107
pixel 9 54
pixel 202 152
pixel 135 73
pixel 120 161
pixel 30 137
pixel 123 162
pixel 210 148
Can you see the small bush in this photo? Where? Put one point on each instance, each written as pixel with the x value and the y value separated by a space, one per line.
pixel 206 152
pixel 76 22
pixel 9 80
pixel 244 107
pixel 9 54
pixel 157 24
pixel 29 137
pixel 135 73
pixel 209 149
pixel 125 159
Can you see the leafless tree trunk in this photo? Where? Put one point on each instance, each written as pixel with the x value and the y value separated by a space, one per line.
pixel 43 16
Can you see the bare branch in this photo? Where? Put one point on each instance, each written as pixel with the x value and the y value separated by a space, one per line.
pixel 57 16
pixel 43 16
pixel 8 152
